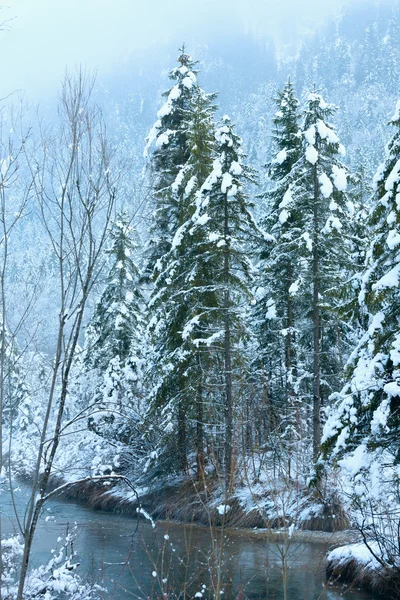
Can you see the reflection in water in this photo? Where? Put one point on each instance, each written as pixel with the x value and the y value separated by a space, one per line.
pixel 141 562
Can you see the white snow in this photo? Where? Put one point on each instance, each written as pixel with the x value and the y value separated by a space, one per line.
pixel 236 168
pixel 350 208
pixel 391 218
pixel 178 179
pixel 188 81
pixel 332 222
pixel 378 176
pixel 213 236
pixel 281 157
pixel 393 239
pixel 223 509
pixel 151 137
pixel 176 241
pixel 226 182
pixel 313 97
pixel 283 216
pixel 311 155
pixel 287 199
pixel 187 330
pixel 191 184
pixel 392 389
pixel 358 552
pixel 271 312
pixel 339 176
pixel 203 219
pixel 333 205
pixel 390 280
pixel 326 185
pixel 215 174
pixel 163 138
pixel 232 191
pixel 309 134
pixel 327 133
pixel 393 177
pixel 355 461
pixel 376 323
pixel 167 107
pixel 174 93
pixel 381 414
pixel 306 237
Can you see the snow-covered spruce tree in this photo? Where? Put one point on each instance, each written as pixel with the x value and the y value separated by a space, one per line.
pixel 176 370
pixel 114 336
pixel 274 313
pixel 351 313
pixel 315 213
pixel 286 134
pixel 169 136
pixel 363 427
pixel 225 229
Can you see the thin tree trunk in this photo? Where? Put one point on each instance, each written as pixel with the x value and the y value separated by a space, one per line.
pixel 200 432
pixel 316 327
pixel 32 524
pixel 182 435
pixel 288 362
pixel 76 273
pixel 227 357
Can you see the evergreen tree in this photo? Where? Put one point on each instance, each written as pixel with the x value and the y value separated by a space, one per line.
pixel 310 220
pixel 177 378
pixel 365 420
pixel 274 309
pixel 114 339
pixel 226 231
pixel 171 153
pixel 319 192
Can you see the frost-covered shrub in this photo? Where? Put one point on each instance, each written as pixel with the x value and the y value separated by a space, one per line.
pixel 56 580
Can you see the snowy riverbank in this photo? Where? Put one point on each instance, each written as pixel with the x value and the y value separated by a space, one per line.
pixel 363 565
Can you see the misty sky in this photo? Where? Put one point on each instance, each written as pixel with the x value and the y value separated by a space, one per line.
pixel 44 36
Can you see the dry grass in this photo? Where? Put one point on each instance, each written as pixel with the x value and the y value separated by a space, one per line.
pixel 385 582
pixel 187 503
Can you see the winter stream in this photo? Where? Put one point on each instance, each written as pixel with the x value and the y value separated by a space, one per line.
pixel 132 559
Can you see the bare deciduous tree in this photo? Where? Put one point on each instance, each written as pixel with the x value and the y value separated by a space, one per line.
pixel 75 187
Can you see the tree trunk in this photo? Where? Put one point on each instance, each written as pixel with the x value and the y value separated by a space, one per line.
pixel 316 327
pixel 182 436
pixel 200 432
pixel 227 357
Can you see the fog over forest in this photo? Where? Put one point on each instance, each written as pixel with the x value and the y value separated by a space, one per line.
pixel 41 39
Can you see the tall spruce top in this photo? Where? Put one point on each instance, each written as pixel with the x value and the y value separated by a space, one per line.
pixel 287 133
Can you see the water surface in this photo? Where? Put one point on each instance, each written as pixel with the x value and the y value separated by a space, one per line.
pixel 134 560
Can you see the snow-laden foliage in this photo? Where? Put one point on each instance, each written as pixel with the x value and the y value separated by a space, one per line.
pixel 55 580
pixel 168 140
pixel 112 382
pixel 305 261
pixel 362 430
pixel 365 415
pixel 175 372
